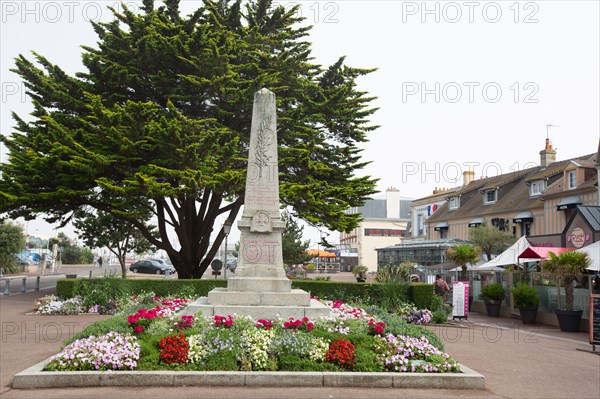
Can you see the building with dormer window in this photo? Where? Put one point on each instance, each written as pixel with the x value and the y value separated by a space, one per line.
pixel 537 202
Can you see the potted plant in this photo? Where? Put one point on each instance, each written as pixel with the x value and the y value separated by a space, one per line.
pixel 565 267
pixel 527 300
pixel 360 272
pixel 310 268
pixel 492 295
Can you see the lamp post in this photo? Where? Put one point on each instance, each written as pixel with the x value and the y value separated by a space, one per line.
pixel 226 230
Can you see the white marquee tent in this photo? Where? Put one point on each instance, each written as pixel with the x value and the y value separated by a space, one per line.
pixel 593 251
pixel 508 257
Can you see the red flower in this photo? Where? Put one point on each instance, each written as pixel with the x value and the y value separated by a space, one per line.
pixel 138 329
pixel 341 352
pixel 174 349
pixel 223 321
pixel 299 324
pixel 266 324
pixel 378 326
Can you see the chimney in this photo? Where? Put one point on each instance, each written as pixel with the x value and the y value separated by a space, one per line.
pixel 548 154
pixel 392 196
pixel 468 177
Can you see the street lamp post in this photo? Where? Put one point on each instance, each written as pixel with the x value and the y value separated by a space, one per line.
pixel 226 230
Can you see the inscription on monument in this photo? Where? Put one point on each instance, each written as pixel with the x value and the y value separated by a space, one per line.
pixel 258 251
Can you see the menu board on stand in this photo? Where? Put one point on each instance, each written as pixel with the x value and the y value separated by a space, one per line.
pixel 460 300
pixel 594 320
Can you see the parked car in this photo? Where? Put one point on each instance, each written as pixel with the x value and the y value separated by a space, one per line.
pixel 152 267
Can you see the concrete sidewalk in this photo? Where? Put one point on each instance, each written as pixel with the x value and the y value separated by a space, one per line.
pixel 517 361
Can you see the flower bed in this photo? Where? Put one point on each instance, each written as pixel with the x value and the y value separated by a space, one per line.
pixel 157 338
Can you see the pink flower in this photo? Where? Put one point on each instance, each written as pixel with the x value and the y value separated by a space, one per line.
pixel 138 329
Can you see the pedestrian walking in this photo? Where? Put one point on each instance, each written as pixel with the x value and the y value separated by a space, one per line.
pixel 100 261
pixel 441 287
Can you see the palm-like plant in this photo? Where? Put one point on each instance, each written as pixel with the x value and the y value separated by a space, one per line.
pixel 463 254
pixel 566 266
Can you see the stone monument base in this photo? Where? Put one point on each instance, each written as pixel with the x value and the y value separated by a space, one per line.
pixel 258 305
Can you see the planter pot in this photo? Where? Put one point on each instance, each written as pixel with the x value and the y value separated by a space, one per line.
pixel 493 307
pixel 361 280
pixel 569 320
pixel 528 315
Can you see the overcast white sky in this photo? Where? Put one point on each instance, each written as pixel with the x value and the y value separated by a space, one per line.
pixel 465 84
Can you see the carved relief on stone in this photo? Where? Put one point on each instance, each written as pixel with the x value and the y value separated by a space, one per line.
pixel 261 223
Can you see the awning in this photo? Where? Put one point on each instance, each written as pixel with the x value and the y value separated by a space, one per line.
pixel 568 202
pixel 320 253
pixel 523 217
pixel 542 252
pixel 441 226
pixel 476 222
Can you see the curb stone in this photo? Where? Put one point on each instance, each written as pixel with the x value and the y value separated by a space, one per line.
pixel 34 377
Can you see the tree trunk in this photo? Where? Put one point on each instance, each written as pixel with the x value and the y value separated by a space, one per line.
pixel 569 293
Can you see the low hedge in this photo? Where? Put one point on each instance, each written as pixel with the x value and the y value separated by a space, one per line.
pixel 69 288
pixel 376 293
pixel 420 294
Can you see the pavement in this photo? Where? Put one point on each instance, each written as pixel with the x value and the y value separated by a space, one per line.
pixel 518 361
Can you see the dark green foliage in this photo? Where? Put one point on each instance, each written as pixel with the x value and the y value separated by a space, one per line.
pixel 73 255
pixel 491 239
pixel 222 361
pixel 102 229
pixel 99 291
pixel 12 241
pixel 332 289
pixel 439 310
pixel 421 294
pixel 159 121
pixel 492 291
pixel 525 296
pixel 293 249
pixel 439 317
pixel 293 362
pixel 69 288
pixel 116 323
pixel 345 291
pixel 389 295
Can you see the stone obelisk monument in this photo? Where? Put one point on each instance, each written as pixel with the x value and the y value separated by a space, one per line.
pixel 259 287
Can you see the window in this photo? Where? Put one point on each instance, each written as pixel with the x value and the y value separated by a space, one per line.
pixel 420 224
pixel 572 180
pixel 444 233
pixel 489 197
pixel 454 203
pixel 526 229
pixel 536 188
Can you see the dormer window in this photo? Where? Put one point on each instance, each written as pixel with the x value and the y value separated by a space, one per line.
pixel 536 187
pixel 571 180
pixel 490 196
pixel 454 203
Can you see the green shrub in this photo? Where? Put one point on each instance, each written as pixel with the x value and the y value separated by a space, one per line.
pixel 525 296
pixel 389 296
pixel 439 317
pixel 492 291
pixel 69 288
pixel 421 294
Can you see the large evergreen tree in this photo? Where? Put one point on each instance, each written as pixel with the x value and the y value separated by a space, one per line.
pixel 160 123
